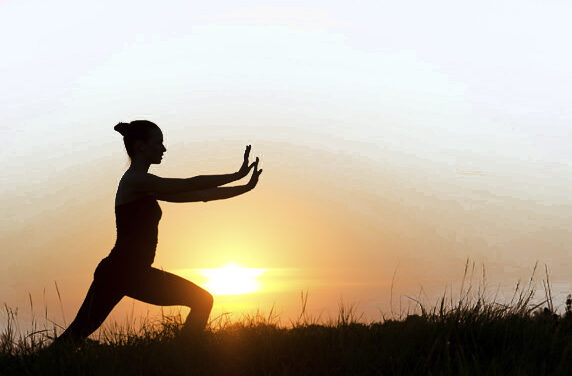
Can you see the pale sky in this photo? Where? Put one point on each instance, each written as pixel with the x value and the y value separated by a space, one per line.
pixel 392 135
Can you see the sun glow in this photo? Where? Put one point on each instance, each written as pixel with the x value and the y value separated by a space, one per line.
pixel 232 279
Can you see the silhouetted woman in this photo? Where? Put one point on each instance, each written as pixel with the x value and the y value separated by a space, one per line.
pixel 127 271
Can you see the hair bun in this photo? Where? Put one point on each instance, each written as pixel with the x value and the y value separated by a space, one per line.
pixel 122 128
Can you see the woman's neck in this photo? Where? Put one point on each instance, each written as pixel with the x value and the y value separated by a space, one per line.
pixel 139 166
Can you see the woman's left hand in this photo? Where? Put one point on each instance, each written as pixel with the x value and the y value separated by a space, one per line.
pixel 245 168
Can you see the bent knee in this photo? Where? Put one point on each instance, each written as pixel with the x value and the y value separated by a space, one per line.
pixel 203 300
pixel 208 299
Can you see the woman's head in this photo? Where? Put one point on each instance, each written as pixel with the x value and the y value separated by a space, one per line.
pixel 142 139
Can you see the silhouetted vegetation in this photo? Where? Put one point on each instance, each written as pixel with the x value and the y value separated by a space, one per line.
pixel 469 336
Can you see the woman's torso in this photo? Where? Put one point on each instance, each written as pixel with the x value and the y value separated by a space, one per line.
pixel 137 218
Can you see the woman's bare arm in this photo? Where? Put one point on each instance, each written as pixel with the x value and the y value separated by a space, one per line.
pixel 156 184
pixel 151 183
pixel 204 195
pixel 212 181
pixel 211 194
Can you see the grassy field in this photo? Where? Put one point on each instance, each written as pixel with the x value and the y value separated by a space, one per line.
pixel 471 336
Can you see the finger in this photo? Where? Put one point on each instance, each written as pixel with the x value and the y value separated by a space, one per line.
pixel 251 165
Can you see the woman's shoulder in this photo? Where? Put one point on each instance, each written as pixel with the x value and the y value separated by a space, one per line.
pixel 126 192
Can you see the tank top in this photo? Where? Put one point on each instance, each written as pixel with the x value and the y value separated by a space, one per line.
pixel 137 233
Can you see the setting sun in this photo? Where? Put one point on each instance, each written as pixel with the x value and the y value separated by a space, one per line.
pixel 232 279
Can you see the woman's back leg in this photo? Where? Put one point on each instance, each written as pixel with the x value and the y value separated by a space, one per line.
pixel 98 303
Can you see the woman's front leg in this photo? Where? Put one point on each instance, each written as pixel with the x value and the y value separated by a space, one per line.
pixel 162 288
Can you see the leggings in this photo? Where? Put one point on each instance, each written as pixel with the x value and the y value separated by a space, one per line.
pixel 112 281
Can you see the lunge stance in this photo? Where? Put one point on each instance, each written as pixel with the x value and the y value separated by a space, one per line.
pixel 127 270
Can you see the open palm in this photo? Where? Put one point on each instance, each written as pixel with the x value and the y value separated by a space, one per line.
pixel 255 175
pixel 245 168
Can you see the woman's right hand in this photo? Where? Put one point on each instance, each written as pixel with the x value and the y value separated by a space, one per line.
pixel 255 174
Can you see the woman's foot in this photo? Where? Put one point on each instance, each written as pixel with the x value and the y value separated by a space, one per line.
pixel 192 337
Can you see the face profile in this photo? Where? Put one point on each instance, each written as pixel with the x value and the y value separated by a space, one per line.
pixel 151 149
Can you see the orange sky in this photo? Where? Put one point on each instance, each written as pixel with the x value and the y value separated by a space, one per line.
pixel 334 224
